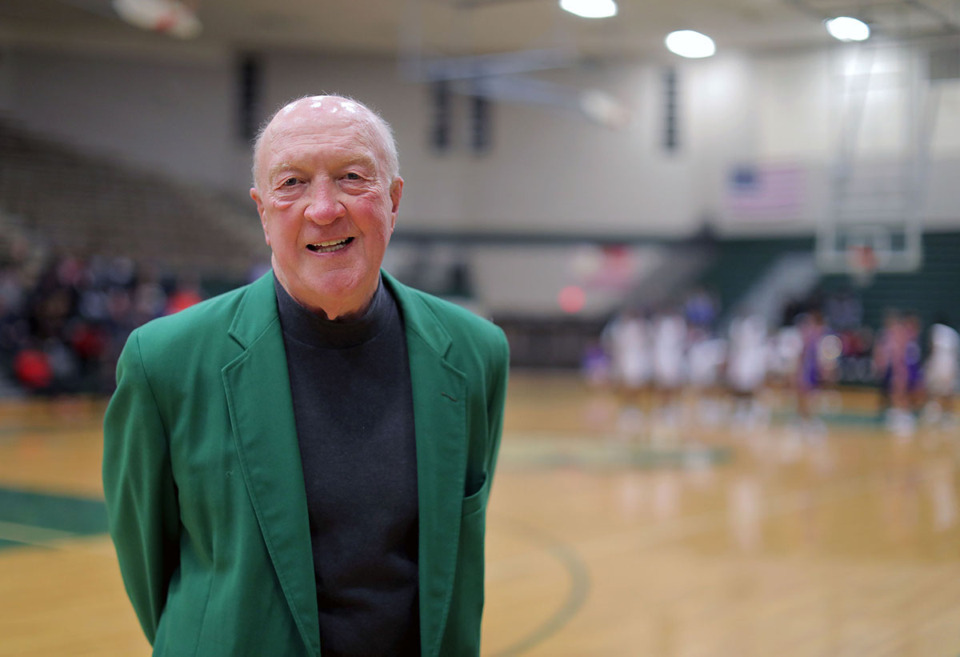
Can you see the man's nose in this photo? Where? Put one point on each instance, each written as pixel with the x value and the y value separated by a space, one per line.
pixel 324 204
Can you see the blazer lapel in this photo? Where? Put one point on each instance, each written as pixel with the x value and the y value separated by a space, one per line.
pixel 261 414
pixel 439 412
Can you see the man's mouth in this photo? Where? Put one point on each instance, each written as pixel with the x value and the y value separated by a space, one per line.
pixel 329 247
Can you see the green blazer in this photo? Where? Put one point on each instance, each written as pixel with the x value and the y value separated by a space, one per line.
pixel 205 491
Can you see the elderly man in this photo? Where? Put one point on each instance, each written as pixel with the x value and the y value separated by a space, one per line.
pixel 302 466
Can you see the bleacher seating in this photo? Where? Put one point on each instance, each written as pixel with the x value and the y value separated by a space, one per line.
pixel 88 205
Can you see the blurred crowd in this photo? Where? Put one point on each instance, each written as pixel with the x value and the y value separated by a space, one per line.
pixel 659 359
pixel 64 320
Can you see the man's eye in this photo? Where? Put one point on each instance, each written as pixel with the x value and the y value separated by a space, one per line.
pixel 290 182
pixel 353 176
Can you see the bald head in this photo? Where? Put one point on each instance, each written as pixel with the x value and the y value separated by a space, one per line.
pixel 323 110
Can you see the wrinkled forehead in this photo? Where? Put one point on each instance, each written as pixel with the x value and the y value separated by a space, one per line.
pixel 323 118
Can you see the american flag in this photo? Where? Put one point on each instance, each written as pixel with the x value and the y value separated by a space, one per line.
pixel 765 192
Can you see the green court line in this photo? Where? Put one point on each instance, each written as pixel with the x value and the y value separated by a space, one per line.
pixel 852 418
pixel 28 517
pixel 577 595
pixel 29 535
pixel 553 451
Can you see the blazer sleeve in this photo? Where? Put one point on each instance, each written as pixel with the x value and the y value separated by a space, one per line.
pixel 500 371
pixel 139 489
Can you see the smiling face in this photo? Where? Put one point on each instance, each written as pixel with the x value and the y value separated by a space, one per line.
pixel 328 198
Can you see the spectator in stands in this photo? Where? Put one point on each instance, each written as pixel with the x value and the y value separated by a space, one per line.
pixel 14 330
pixel 33 370
pixel 182 297
pixel 700 310
pixel 307 460
pixel 75 315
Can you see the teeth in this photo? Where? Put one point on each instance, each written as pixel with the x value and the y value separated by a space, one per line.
pixel 330 246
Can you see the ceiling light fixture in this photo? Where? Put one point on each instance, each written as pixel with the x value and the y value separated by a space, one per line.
pixel 173 17
pixel 846 28
pixel 690 44
pixel 590 8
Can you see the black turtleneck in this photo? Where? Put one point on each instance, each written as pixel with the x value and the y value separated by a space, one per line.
pixel 353 407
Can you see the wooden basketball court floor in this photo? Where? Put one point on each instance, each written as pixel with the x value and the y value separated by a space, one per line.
pixel 608 535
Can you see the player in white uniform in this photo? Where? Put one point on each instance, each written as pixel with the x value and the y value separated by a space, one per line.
pixel 669 363
pixel 627 341
pixel 747 367
pixel 941 372
pixel 706 356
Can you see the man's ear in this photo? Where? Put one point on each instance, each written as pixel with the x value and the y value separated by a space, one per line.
pixel 396 191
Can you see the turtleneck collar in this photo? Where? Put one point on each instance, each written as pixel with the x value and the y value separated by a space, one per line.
pixel 313 330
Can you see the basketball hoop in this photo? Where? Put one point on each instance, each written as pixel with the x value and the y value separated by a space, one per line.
pixel 862 264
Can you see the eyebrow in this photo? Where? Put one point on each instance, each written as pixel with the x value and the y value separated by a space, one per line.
pixel 280 166
pixel 365 161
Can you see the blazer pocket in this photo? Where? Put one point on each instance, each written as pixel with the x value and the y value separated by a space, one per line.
pixel 476 501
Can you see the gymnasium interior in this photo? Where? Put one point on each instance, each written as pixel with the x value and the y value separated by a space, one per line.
pixel 665 236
